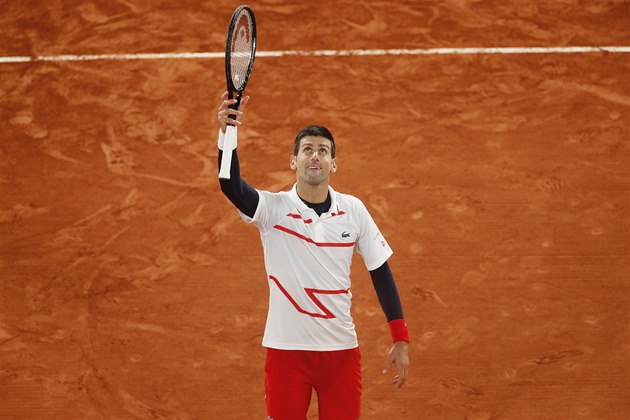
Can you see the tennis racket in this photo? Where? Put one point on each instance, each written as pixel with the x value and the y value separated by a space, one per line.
pixel 240 50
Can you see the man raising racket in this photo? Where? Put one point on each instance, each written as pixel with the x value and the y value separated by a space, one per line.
pixel 308 236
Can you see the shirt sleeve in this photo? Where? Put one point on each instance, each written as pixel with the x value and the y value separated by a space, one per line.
pixel 385 287
pixel 239 192
pixel 268 211
pixel 371 244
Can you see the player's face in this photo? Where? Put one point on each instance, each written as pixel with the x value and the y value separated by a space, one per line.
pixel 314 163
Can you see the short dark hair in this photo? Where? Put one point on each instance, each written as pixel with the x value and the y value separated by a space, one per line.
pixel 314 131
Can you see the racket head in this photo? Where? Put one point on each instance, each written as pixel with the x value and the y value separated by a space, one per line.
pixel 240 50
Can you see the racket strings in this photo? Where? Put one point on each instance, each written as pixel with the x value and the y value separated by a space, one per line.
pixel 241 51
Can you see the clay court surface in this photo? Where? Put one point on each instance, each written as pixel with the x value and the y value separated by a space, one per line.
pixel 130 288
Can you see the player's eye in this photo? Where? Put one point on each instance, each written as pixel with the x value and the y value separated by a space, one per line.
pixel 323 151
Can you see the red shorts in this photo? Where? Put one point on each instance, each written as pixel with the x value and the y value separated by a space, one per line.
pixel 291 375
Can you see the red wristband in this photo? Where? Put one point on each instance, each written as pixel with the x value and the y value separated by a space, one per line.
pixel 398 330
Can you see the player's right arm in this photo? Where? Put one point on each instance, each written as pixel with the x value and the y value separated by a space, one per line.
pixel 239 192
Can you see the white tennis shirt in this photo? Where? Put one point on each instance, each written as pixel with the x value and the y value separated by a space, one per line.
pixel 308 259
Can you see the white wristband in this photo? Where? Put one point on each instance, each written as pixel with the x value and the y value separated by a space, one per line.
pixel 227 143
pixel 222 138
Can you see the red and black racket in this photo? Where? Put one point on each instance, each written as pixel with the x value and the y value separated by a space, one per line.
pixel 240 50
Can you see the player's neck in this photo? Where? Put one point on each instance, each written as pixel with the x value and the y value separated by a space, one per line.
pixel 313 193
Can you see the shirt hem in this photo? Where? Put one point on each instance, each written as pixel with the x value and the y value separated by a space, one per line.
pixel 307 347
pixel 379 262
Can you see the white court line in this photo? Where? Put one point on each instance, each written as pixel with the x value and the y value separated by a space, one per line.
pixel 306 53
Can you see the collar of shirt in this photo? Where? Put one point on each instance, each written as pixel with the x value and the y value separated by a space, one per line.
pixel 303 208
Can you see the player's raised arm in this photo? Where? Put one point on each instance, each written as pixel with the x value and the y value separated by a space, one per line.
pixel 241 194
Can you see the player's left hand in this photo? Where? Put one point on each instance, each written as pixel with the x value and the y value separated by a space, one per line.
pixel 399 355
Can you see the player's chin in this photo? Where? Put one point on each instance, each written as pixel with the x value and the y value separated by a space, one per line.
pixel 314 177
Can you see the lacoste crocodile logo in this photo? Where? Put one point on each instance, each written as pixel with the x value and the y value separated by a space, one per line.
pixel 345 234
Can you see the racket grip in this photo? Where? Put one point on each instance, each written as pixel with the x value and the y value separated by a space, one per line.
pixel 236 105
pixel 229 143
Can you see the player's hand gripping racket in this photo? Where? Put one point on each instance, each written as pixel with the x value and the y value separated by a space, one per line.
pixel 240 50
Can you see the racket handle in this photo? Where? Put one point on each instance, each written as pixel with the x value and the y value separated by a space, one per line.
pixel 229 142
pixel 236 105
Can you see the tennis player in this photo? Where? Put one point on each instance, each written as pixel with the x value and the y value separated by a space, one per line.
pixel 308 236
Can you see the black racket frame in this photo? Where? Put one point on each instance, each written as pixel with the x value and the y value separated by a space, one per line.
pixel 228 51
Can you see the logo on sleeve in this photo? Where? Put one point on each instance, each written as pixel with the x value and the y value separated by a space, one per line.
pixel 345 234
pixel 376 238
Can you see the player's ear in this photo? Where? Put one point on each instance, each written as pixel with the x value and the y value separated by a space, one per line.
pixel 333 166
pixel 292 163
